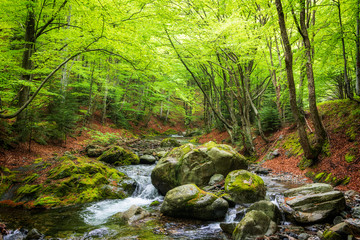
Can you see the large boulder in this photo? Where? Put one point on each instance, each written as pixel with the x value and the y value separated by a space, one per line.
pixel 189 201
pixel 312 203
pixel 119 156
pixel 244 186
pixel 254 224
pixel 191 164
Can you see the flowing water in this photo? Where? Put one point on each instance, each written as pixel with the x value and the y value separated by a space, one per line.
pixel 77 222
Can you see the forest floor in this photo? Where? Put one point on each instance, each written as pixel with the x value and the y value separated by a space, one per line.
pixel 341 158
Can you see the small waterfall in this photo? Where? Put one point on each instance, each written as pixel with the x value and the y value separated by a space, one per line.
pixel 144 194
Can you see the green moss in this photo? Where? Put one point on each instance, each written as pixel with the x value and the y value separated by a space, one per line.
pixel 154 203
pixel 246 181
pixel 330 235
pixel 349 157
pixel 304 163
pixel 351 133
pixel 47 201
pixel 169 142
pixel 320 176
pixel 31 178
pixel 38 160
pixel 170 132
pixel 346 181
pixel 328 178
pixel 292 144
pixel 119 156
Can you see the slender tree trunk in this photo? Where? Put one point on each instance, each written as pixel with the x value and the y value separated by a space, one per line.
pixel 358 49
pixel 27 65
pixel 320 132
pixel 299 119
pixel 348 91
pixel 276 85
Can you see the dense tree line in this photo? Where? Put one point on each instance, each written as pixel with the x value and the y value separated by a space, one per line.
pixel 245 63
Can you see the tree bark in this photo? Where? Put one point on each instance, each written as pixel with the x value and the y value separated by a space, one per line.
pixel 358 49
pixel 348 91
pixel 320 132
pixel 27 65
pixel 299 119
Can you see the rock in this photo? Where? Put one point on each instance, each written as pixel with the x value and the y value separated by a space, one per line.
pixel 216 178
pixel 356 212
pixel 119 156
pixel 161 154
pixel 133 214
pixel 33 235
pixel 267 207
pixel 170 142
pixel 74 182
pixel 309 189
pixel 147 159
pixel 228 227
pixel 354 224
pixel 244 186
pixel 275 153
pixel 254 224
pixel 337 220
pixel 261 170
pixel 97 233
pixel 191 164
pixel 94 150
pixel 303 236
pixel 189 201
pixel 288 154
pixel 339 231
pixel 312 203
pixel 16 235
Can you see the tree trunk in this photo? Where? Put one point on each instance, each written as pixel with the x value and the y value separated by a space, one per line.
pixel 320 132
pixel 348 91
pixel 358 49
pixel 27 65
pixel 299 119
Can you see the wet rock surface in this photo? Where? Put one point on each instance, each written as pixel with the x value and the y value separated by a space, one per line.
pixel 191 202
pixel 195 164
pixel 312 203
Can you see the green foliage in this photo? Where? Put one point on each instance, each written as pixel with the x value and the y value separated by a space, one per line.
pixel 270 120
pixel 104 139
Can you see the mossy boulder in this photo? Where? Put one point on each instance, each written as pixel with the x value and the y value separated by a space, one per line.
pixel 312 203
pixel 170 142
pixel 195 164
pixel 119 156
pixel 189 201
pixel 267 207
pixel 133 214
pixel 244 186
pixel 254 224
pixel 71 182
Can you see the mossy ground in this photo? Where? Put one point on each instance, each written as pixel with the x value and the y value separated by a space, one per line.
pixel 70 180
pixel 341 153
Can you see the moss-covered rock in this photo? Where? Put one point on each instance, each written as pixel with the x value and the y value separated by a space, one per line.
pixel 254 224
pixel 170 142
pixel 195 164
pixel 189 201
pixel 244 186
pixel 119 156
pixel 71 182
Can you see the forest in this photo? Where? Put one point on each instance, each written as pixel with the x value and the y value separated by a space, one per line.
pixel 269 78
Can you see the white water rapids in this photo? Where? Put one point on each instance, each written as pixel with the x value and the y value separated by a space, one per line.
pixel 145 193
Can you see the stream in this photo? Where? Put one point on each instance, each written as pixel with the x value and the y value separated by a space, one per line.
pixel 92 220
